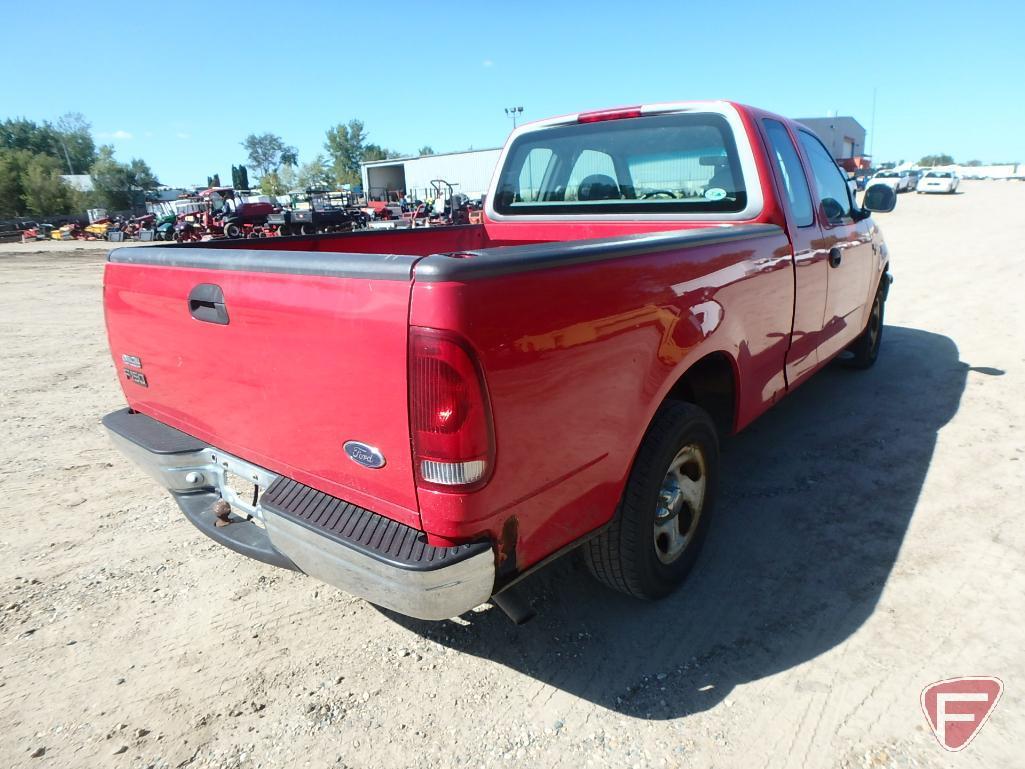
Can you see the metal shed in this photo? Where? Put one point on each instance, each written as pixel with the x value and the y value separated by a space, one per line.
pixel 468 172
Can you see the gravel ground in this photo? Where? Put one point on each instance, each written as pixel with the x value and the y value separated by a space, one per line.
pixel 868 542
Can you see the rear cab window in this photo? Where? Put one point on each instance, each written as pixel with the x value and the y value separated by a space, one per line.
pixel 659 164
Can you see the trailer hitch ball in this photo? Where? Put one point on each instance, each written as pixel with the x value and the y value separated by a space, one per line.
pixel 221 510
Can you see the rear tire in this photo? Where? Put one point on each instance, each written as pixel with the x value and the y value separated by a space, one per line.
pixel 865 349
pixel 654 540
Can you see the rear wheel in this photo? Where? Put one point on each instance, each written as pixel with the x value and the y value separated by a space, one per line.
pixel 654 540
pixel 232 230
pixel 308 229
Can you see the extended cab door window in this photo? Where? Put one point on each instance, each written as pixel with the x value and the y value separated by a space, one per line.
pixel 833 192
pixel 849 244
pixel 810 261
pixel 789 165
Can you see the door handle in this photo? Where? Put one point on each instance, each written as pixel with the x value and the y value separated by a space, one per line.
pixel 835 257
pixel 206 303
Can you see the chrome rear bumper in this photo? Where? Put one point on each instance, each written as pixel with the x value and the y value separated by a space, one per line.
pixel 404 574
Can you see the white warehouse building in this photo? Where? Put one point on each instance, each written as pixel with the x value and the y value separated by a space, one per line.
pixel 468 172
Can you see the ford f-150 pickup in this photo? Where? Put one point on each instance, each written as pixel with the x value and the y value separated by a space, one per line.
pixel 423 417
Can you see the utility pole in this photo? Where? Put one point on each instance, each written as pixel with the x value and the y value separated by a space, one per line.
pixel 872 129
pixel 67 157
pixel 513 112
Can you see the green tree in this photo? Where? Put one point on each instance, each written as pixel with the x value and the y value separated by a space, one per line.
pixel 270 184
pixel 120 186
pixel 267 153
pixel 70 141
pixel 427 149
pixel 377 152
pixel 74 133
pixel 345 146
pixel 287 177
pixel 141 176
pixel 80 200
pixel 315 175
pixel 12 193
pixel 974 163
pixel 22 134
pixel 936 160
pixel 239 177
pixel 44 190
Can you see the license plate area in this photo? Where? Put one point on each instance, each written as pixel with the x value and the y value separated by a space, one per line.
pixel 240 484
pixel 242 489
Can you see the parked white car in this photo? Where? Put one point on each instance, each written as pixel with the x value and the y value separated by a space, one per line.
pixel 939 181
pixel 899 180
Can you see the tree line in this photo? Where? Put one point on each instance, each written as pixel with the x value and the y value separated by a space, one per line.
pixel 943 159
pixel 346 146
pixel 34 156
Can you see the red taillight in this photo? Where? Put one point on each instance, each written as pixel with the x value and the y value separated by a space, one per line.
pixel 608 114
pixel 450 414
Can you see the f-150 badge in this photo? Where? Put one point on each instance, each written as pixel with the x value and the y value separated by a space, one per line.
pixel 136 376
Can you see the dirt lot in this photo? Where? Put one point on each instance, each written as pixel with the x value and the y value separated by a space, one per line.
pixel 868 542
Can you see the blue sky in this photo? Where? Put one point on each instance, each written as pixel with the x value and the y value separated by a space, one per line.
pixel 166 82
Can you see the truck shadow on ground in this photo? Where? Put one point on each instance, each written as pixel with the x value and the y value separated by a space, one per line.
pixel 815 500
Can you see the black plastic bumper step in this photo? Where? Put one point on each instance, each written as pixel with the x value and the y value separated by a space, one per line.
pixel 370 533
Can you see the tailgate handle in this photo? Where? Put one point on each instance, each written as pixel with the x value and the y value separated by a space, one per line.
pixel 206 303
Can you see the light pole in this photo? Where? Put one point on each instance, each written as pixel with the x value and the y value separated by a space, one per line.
pixel 513 112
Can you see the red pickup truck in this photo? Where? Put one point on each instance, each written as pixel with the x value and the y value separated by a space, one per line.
pixel 423 417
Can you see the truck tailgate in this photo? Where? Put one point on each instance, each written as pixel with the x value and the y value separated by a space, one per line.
pixel 313 354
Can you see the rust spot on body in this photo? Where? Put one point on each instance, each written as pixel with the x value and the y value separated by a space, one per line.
pixel 507 547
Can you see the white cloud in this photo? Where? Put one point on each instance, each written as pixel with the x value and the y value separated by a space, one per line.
pixel 487 63
pixel 118 134
pixel 183 135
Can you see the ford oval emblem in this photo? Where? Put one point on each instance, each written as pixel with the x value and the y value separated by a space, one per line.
pixel 365 455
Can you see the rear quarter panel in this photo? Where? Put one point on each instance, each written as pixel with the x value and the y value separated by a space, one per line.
pixel 577 360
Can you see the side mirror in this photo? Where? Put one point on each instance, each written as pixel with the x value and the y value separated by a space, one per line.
pixel 881 198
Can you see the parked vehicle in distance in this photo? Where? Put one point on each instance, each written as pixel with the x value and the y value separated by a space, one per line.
pixel 914 177
pixel 164 226
pixel 899 181
pixel 939 181
pixel 422 417
pixel 239 220
pixel 317 211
